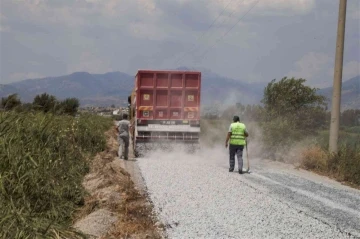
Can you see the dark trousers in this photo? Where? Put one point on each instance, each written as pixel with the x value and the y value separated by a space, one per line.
pixel 124 146
pixel 238 150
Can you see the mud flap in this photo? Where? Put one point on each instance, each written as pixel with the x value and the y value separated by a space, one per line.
pixel 143 149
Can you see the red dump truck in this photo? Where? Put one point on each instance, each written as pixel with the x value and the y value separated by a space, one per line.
pixel 165 110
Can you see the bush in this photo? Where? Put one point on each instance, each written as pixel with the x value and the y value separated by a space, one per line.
pixel 43 162
pixel 354 129
pixel 315 158
pixel 348 139
pixel 69 106
pixel 344 166
pixel 10 102
pixel 45 103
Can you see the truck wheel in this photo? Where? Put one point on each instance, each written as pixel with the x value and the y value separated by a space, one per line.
pixel 140 150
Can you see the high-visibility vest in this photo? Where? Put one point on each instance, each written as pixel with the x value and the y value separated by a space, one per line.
pixel 237 134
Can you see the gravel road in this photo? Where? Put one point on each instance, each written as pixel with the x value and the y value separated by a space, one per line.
pixel 196 197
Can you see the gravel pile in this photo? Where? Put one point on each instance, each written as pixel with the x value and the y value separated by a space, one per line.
pixel 196 197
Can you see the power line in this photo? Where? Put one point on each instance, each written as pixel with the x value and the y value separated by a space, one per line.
pixel 177 13
pixel 194 45
pixel 208 49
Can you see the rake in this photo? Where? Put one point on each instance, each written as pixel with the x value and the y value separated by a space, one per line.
pixel 247 159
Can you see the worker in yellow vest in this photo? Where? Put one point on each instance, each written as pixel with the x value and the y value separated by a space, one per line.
pixel 237 135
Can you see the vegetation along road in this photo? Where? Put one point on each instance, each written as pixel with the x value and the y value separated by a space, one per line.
pixel 60 175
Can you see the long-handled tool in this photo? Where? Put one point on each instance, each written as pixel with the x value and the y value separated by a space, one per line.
pixel 247 159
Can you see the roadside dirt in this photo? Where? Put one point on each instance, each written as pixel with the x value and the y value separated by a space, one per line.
pixel 114 207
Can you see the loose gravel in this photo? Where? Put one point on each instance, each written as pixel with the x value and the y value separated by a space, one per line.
pixel 196 197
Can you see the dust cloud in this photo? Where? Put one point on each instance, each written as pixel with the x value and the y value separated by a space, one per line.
pixel 213 136
pixel 212 149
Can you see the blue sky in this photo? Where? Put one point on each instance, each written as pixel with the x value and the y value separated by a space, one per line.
pixel 250 40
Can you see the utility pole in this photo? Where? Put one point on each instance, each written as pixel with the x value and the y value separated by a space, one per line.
pixel 336 97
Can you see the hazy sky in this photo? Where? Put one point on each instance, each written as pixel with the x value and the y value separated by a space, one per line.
pixel 272 38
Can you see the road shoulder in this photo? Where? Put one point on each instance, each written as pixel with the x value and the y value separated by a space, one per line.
pixel 114 207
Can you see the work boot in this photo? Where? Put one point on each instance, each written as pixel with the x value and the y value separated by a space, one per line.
pixel 241 172
pixel 231 170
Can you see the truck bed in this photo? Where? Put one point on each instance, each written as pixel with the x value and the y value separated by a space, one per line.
pixel 167 95
pixel 165 109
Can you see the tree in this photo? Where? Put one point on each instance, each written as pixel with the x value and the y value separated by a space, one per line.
pixel 10 102
pixel 291 99
pixel 70 106
pixel 45 103
pixel 246 112
pixel 350 117
pixel 24 107
pixel 290 95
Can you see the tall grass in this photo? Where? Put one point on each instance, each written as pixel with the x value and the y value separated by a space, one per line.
pixel 344 165
pixel 43 159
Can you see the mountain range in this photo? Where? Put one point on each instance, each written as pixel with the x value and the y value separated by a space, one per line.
pixel 350 93
pixel 115 87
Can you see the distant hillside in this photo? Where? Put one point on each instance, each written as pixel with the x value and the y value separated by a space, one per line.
pixel 226 91
pixel 350 94
pixel 91 89
pixel 114 88
pixel 6 90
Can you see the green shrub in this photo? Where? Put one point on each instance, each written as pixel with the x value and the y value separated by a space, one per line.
pixel 345 165
pixel 354 129
pixel 346 138
pixel 42 165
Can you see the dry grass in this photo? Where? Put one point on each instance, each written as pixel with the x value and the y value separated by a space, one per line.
pixel 136 220
pixel 315 159
pixel 111 187
pixel 343 166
